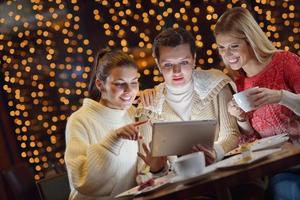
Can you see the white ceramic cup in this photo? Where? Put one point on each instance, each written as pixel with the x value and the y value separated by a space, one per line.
pixel 190 165
pixel 243 101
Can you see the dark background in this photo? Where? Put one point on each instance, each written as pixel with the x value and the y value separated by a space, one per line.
pixel 47 49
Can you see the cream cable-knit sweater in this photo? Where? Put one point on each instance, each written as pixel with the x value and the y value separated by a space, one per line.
pixel 211 95
pixel 99 165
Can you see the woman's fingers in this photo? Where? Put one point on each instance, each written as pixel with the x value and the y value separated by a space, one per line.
pixel 144 158
pixel 231 103
pixel 146 149
pixel 209 157
pixel 235 110
pixel 136 101
pixel 195 148
pixel 144 98
pixel 131 132
pixel 124 135
pixel 198 147
pixel 147 97
pixel 209 153
pixel 261 102
pixel 255 98
pixel 254 91
pixel 150 93
pixel 209 160
pixel 148 159
pixel 152 97
pixel 138 123
pixel 128 132
pixel 263 96
pixel 233 106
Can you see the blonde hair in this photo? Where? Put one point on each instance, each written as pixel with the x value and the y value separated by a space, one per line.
pixel 239 23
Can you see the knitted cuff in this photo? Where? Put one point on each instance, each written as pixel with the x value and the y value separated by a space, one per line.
pixel 219 151
pixel 291 100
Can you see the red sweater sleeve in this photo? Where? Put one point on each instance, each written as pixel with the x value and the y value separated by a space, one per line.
pixel 292 71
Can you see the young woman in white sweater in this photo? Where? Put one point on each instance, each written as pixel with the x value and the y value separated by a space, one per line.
pixel 187 94
pixel 101 137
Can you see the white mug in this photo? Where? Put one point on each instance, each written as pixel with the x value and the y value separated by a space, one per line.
pixel 190 165
pixel 243 101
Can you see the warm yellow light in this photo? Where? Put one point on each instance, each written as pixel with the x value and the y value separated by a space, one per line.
pixel 210 9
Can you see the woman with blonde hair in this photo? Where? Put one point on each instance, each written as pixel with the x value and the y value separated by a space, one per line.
pixel 245 48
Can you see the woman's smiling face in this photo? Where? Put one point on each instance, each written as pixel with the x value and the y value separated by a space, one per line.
pixel 236 53
pixel 120 88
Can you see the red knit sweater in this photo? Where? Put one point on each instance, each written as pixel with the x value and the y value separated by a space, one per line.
pixel 283 72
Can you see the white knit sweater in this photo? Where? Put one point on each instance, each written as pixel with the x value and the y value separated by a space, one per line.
pixel 99 164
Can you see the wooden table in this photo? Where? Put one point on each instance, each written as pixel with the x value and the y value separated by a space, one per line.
pixel 221 180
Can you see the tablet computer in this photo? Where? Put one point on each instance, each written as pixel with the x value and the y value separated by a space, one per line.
pixel 178 137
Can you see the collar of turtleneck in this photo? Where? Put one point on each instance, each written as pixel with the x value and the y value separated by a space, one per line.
pixel 179 93
pixel 180 99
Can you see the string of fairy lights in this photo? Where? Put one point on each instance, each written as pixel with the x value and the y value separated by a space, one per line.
pixel 45 58
pixel 47 54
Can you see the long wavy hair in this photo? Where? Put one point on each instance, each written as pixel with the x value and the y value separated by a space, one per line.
pixel 239 23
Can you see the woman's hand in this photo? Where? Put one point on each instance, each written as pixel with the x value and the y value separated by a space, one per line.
pixel 236 111
pixel 263 96
pixel 147 97
pixel 210 154
pixel 156 163
pixel 130 131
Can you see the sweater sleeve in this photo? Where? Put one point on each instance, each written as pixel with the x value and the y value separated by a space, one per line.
pixel 291 99
pixel 92 168
pixel 146 132
pixel 292 71
pixel 229 131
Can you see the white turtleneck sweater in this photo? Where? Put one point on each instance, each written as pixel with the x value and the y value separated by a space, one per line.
pixel 180 99
pixel 204 98
pixel 99 164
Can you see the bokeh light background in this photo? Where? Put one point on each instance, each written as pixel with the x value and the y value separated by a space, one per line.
pixel 47 49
